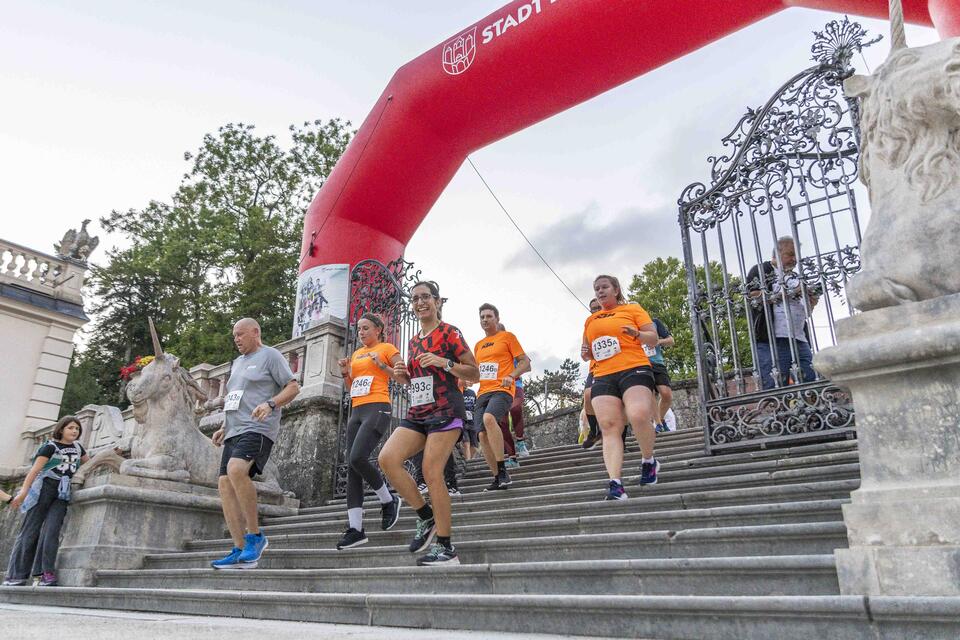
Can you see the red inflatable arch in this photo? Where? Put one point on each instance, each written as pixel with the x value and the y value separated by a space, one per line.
pixel 521 64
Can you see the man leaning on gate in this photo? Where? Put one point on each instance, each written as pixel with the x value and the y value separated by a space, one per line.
pixel 779 305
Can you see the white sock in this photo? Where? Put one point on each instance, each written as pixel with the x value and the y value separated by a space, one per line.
pixel 647 460
pixel 355 516
pixel 384 494
pixel 617 480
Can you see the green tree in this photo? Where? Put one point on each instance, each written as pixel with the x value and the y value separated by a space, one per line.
pixel 554 389
pixel 226 245
pixel 662 289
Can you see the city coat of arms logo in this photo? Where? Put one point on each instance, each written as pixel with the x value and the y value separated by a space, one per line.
pixel 459 52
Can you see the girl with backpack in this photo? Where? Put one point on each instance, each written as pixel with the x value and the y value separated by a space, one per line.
pixel 44 499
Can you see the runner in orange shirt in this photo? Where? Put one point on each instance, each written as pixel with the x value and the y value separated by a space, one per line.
pixel 614 338
pixel 496 355
pixel 368 373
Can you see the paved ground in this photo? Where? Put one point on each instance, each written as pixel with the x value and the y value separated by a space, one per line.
pixel 27 622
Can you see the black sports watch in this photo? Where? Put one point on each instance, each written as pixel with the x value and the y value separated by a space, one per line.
pixel 449 366
pixel 271 404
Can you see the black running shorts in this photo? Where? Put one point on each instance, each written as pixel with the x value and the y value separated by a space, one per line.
pixel 617 383
pixel 425 429
pixel 497 403
pixel 248 446
pixel 589 381
pixel 660 375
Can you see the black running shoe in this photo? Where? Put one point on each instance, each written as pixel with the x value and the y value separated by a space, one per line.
pixel 390 513
pixel 439 554
pixel 648 472
pixel 351 538
pixel 426 529
pixel 590 442
pixel 504 479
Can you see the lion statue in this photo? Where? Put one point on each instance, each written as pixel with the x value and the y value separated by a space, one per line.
pixel 167 443
pixel 910 162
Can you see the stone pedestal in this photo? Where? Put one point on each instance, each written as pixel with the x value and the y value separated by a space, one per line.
pixel 115 520
pixel 902 365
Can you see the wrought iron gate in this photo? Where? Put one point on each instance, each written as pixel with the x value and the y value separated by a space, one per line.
pixel 384 290
pixel 784 181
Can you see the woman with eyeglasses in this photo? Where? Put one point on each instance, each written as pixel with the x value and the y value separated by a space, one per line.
pixel 438 356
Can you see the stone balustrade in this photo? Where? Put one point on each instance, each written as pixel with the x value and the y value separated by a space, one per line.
pixel 312 357
pixel 56 277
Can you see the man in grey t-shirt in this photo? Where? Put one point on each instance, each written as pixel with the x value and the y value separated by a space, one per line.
pixel 260 383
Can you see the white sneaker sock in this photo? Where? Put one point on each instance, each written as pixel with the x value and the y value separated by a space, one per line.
pixel 355 516
pixel 384 494
pixel 648 460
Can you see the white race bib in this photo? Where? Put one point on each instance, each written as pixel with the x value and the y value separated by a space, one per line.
pixel 421 391
pixel 232 401
pixel 361 386
pixel 605 347
pixel 489 370
pixel 650 351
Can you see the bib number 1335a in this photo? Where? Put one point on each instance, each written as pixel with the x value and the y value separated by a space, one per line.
pixel 605 347
pixel 421 391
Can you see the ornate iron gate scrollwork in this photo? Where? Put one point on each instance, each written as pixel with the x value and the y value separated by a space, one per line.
pixel 384 290
pixel 786 177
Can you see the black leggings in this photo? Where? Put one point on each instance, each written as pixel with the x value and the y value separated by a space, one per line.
pixel 365 429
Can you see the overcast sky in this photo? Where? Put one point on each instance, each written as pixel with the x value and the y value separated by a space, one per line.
pixel 102 98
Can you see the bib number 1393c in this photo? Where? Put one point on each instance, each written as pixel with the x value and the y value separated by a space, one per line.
pixel 421 391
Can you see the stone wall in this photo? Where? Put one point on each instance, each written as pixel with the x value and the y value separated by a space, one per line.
pixel 562 426
pixel 306 450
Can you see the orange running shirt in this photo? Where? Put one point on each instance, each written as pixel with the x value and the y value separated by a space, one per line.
pixel 370 382
pixel 495 355
pixel 611 348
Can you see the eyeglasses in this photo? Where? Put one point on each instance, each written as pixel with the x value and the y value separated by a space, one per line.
pixel 421 298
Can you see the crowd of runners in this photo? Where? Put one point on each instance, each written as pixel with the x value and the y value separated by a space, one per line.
pixel 627 385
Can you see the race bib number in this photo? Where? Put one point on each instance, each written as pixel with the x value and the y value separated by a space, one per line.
pixel 361 386
pixel 650 351
pixel 421 391
pixel 232 401
pixel 489 370
pixel 605 347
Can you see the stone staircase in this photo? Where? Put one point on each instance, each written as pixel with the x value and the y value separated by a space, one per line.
pixel 731 547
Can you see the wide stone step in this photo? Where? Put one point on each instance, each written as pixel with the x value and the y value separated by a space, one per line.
pixel 604 521
pixel 785 539
pixel 745 576
pixel 671 471
pixel 563 494
pixel 652 503
pixel 652 617
pixel 595 463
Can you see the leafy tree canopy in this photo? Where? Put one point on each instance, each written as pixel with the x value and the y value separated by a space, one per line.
pixel 225 245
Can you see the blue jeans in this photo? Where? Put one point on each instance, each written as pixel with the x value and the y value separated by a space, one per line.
pixel 784 358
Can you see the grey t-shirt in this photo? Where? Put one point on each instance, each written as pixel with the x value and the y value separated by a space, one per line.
pixel 254 379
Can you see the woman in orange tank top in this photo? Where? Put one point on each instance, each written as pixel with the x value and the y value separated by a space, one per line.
pixel 623 381
pixel 367 373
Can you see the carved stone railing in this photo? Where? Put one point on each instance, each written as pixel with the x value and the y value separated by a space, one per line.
pixel 312 358
pixel 58 278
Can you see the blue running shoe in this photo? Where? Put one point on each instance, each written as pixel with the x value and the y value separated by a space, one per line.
pixel 648 472
pixel 254 546
pixel 511 463
pixel 616 491
pixel 229 561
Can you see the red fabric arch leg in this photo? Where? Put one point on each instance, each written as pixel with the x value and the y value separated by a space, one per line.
pixel 523 63
pixel 946 17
